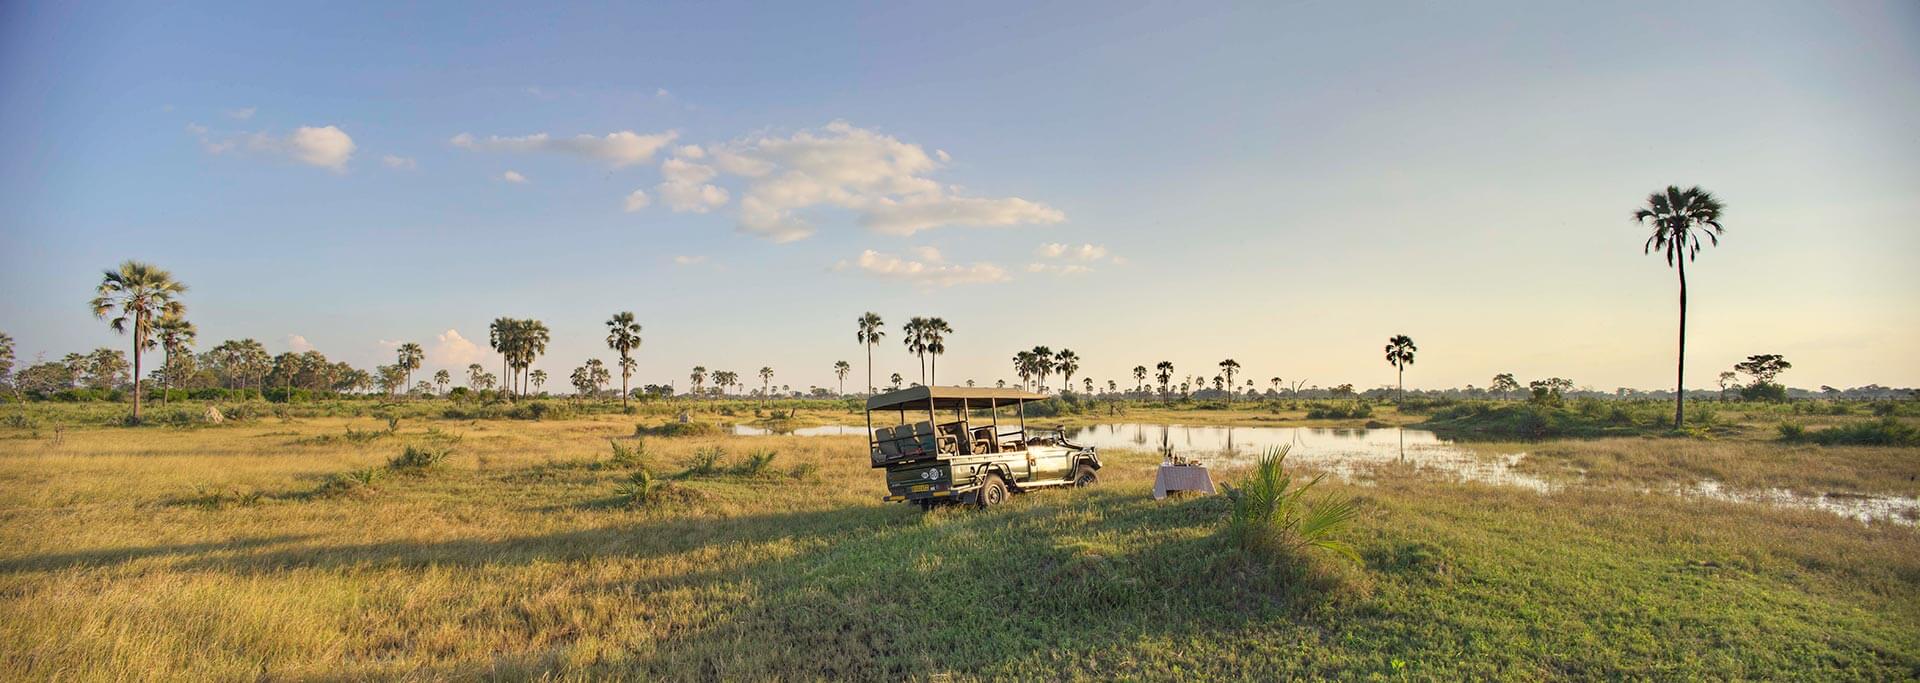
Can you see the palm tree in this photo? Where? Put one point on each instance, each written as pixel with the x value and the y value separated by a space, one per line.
pixel 766 384
pixel 1228 367
pixel 141 293
pixel 1023 366
pixel 1680 219
pixel 538 378
pixel 1400 355
pixel 1042 364
pixel 896 381
pixel 1089 382
pixel 176 337
pixel 1139 377
pixel 935 333
pixel 1164 373
pixel 698 377
pixel 504 335
pixel 474 372
pixel 1068 363
pixel 872 330
pixel 442 378
pixel 409 360
pixel 534 338
pixel 623 335
pixel 915 338
pixel 840 370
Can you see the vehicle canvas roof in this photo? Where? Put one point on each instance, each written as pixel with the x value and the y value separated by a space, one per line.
pixel 949 397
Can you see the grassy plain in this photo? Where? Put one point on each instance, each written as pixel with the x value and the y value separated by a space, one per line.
pixel 223 552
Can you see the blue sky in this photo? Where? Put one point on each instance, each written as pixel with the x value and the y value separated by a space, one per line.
pixel 1283 183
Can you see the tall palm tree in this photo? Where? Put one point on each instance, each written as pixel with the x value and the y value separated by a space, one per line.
pixel 1042 364
pixel 872 330
pixel 409 360
pixel 935 334
pixel 1068 363
pixel 504 335
pixel 474 372
pixel 623 335
pixel 840 370
pixel 140 293
pixel 1400 355
pixel 1228 367
pixel 442 378
pixel 1139 377
pixel 1163 372
pixel 914 336
pixel 534 339
pixel 1024 367
pixel 766 384
pixel 699 378
pixel 176 337
pixel 538 378
pixel 1680 220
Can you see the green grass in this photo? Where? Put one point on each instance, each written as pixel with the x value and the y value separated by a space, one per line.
pixel 527 556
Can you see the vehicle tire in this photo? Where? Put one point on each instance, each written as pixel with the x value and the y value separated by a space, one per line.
pixel 1084 476
pixel 991 493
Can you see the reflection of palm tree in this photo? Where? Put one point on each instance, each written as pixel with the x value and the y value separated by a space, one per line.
pixel 1680 218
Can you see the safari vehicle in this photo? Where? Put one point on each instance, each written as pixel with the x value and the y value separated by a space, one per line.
pixel 950 445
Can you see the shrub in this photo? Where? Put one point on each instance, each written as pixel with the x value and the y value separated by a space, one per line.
pixel 804 470
pixel 1764 391
pixel 629 456
pixel 1885 431
pixel 755 464
pixel 1790 431
pixel 677 429
pixel 351 482
pixel 417 459
pixel 642 489
pixel 1339 411
pixel 706 461
pixel 1270 514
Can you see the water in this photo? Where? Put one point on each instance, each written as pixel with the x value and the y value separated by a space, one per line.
pixel 1355 454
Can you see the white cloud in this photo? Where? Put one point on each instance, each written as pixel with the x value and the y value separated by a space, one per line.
pixel 513 177
pixel 400 162
pixel 623 148
pixel 298 344
pixel 689 260
pixel 691 198
pixel 326 147
pixel 1058 268
pixel 453 350
pixel 637 200
pixel 1084 252
pixel 929 254
pixel 880 178
pixel 923 273
pixel 242 114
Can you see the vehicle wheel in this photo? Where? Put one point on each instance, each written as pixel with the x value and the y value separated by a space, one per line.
pixel 1083 476
pixel 993 492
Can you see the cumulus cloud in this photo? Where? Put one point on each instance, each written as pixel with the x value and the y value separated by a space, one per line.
pixel 880 178
pixel 298 344
pixel 923 273
pixel 637 200
pixel 1058 268
pixel 399 162
pixel 326 146
pixel 513 177
pixel 623 148
pixel 453 350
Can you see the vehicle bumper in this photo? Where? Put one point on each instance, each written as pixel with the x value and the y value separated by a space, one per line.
pixel 943 494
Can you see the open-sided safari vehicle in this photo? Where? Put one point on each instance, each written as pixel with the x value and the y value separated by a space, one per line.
pixel 950 444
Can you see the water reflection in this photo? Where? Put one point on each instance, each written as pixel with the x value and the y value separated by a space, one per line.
pixel 1347 453
pixel 1357 455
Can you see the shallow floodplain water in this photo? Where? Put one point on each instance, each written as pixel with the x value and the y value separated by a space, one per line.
pixel 1356 454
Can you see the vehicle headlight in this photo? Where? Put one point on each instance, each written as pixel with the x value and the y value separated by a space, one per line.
pixel 930 475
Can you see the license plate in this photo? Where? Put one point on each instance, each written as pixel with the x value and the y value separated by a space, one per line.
pixel 922 488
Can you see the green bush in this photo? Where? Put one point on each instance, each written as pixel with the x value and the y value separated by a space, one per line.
pixel 677 429
pixel 417 459
pixel 1339 411
pixel 1886 431
pixel 1790 431
pixel 755 464
pixel 1270 514
pixel 629 456
pixel 706 461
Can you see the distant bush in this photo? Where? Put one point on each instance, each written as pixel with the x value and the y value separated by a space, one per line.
pixel 677 429
pixel 351 482
pixel 1790 431
pixel 1339 411
pixel 706 461
pixel 628 456
pixel 1886 431
pixel 642 489
pixel 1422 406
pixel 1764 391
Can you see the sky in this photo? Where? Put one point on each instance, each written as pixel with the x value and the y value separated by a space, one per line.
pixel 1283 183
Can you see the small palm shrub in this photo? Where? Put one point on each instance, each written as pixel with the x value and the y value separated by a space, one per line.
pixel 417 459
pixel 351 482
pixel 706 461
pixel 1270 514
pixel 629 456
pixel 755 464
pixel 642 489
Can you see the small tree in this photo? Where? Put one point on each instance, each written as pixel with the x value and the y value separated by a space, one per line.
pixel 1400 351
pixel 442 378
